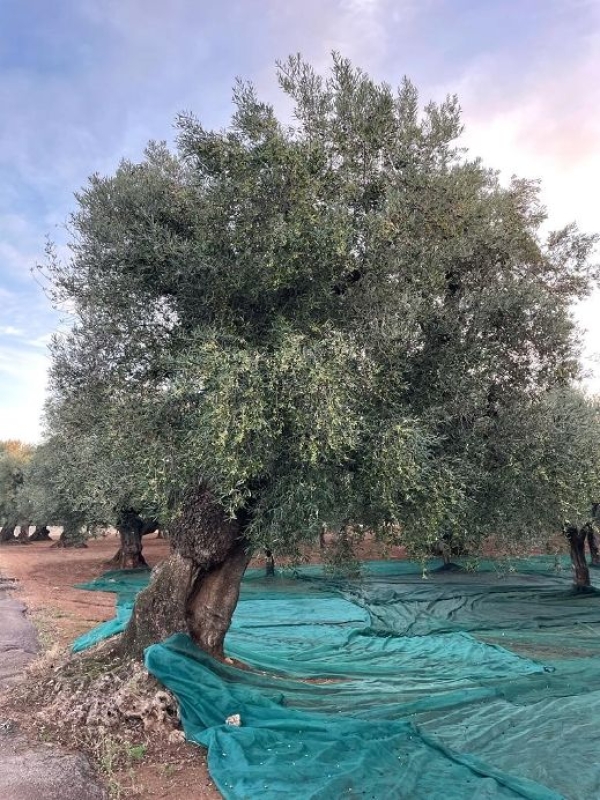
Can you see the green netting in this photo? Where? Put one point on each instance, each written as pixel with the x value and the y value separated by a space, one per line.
pixel 463 685
pixel 125 583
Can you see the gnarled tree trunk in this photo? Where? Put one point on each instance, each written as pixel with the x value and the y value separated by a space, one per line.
pixel 219 553
pixel 130 552
pixel 322 533
pixel 71 536
pixel 40 534
pixel 213 597
pixel 131 528
pixel 159 610
pixel 23 536
pixel 269 564
pixel 198 587
pixel 592 538
pixel 446 548
pixel 7 534
pixel 576 537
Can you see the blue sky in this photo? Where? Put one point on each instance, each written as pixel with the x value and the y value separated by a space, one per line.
pixel 86 82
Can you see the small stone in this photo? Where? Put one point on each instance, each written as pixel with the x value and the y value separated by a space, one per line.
pixel 234 720
pixel 176 737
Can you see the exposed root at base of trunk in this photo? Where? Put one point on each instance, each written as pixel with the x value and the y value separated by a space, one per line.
pixel 83 698
pixel 122 560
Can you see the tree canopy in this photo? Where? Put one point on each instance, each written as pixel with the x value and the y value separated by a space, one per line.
pixel 343 318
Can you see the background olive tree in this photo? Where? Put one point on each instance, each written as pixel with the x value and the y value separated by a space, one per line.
pixel 14 458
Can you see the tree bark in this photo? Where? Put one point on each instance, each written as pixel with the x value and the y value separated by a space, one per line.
pixel 322 533
pixel 40 534
pixel 446 549
pixel 592 538
pixel 212 600
pixel 23 536
pixel 576 537
pixel 198 587
pixel 71 536
pixel 445 552
pixel 130 552
pixel 7 534
pixel 159 610
pixel 269 564
pixel 131 528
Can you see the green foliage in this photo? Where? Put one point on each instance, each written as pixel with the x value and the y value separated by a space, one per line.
pixel 342 320
pixel 298 432
pixel 14 457
pixel 546 466
pixel 51 480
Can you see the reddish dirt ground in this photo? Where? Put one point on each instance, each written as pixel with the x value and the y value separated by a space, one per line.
pixel 46 577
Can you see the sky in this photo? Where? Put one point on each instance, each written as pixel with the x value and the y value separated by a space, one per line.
pixel 84 83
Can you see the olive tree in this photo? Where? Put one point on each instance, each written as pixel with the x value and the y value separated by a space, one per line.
pixel 83 477
pixel 14 457
pixel 281 326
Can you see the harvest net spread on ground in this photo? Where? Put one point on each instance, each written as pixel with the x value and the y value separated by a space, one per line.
pixel 462 685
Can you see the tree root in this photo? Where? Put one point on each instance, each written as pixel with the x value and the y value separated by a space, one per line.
pixel 90 695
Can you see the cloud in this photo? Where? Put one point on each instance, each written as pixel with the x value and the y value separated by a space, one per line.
pixel 8 330
pixel 6 296
pixel 24 376
pixel 541 119
pixel 40 341
pixel 540 116
pixel 15 259
pixel 24 363
pixel 358 30
pixel 362 30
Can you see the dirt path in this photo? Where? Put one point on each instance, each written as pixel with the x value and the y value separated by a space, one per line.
pixel 45 578
pixel 31 771
pixel 18 640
